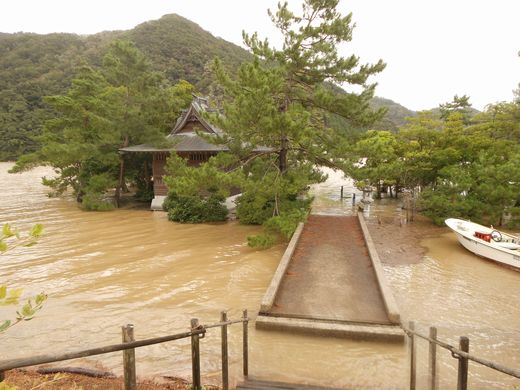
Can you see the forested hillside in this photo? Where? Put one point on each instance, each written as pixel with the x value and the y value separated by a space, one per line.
pixel 395 116
pixel 33 66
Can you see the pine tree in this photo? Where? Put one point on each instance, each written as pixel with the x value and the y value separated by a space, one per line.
pixel 459 105
pixel 123 103
pixel 276 107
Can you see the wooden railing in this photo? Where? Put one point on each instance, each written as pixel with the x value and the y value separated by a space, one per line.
pixel 461 354
pixel 199 331
pixel 128 346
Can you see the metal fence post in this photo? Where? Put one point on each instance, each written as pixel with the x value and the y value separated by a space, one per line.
pixel 130 379
pixel 245 342
pixel 195 356
pixel 462 380
pixel 225 374
pixel 433 359
pixel 411 336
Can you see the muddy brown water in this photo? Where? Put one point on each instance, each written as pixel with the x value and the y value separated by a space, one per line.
pixel 104 270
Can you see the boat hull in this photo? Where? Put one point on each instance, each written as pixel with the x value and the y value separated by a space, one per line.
pixel 465 230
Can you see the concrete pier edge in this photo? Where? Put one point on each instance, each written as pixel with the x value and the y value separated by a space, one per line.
pixel 272 290
pixel 388 333
pixel 388 297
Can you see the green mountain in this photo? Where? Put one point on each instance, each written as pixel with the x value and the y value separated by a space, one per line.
pixel 33 66
pixel 395 116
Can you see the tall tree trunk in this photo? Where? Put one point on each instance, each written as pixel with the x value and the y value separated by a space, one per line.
pixel 121 182
pixel 284 142
pixel 282 156
pixel 146 174
pixel 413 205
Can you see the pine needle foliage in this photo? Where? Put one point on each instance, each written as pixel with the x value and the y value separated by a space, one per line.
pixel 276 109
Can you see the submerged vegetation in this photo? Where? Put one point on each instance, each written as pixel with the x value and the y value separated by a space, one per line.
pixel 458 167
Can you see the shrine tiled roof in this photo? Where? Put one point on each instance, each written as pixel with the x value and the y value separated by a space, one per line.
pixel 185 135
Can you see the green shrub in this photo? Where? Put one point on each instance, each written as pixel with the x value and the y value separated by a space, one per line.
pixel 95 198
pixel 254 209
pixel 96 202
pixel 194 209
pixel 262 241
pixel 144 191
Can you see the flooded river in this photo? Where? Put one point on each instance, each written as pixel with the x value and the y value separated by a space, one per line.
pixel 104 270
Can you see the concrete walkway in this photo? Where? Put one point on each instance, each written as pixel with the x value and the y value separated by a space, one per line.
pixel 330 282
pixel 330 276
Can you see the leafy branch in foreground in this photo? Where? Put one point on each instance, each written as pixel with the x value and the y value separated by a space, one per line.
pixel 26 312
pixel 8 232
pixel 10 239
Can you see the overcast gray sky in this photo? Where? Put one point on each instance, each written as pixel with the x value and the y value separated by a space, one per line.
pixel 434 49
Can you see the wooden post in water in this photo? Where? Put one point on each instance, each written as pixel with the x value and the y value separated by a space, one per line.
pixel 225 375
pixel 353 199
pixel 433 383
pixel 462 380
pixel 411 337
pixel 341 193
pixel 195 356
pixel 130 379
pixel 245 341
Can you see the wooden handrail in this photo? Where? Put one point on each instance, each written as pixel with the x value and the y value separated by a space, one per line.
pixel 456 352
pixel 51 358
pixel 42 359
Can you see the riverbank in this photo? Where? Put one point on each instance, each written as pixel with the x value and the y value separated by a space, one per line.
pixel 29 379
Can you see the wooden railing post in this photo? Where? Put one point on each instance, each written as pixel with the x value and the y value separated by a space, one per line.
pixel 433 359
pixel 225 377
pixel 245 342
pixel 411 338
pixel 130 379
pixel 195 356
pixel 462 380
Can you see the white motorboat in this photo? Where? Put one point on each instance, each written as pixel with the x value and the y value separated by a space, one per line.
pixel 487 242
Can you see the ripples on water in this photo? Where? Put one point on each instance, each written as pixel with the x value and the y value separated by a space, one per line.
pixel 103 270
